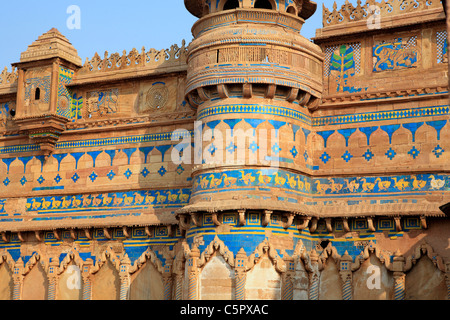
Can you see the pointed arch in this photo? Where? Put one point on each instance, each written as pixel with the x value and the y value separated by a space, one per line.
pixel 265 270
pixel 72 256
pixel 148 255
pixel 35 281
pixel 425 275
pixel 216 246
pixel 265 247
pixel 424 249
pixel 146 277
pixel 5 257
pixel 6 276
pixel 36 258
pixel 372 248
pixel 102 259
pixel 217 269
pixel 330 252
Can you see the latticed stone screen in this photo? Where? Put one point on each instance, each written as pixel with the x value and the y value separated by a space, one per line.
pixel 441 44
pixel 329 50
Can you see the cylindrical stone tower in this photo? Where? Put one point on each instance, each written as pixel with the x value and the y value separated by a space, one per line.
pixel 254 81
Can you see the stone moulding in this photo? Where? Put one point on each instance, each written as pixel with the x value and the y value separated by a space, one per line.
pixel 245 16
pixel 43 130
pixel 378 97
pixel 385 8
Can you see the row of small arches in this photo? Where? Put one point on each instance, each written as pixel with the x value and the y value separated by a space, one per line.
pixel 259 4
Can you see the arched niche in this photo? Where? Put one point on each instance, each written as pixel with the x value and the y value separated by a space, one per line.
pixel 106 283
pixel 229 4
pixel 263 281
pixel 217 280
pixel 70 283
pixel 35 284
pixel 265 4
pixel 372 281
pixel 425 282
pixel 330 285
pixel 147 283
pixel 291 10
pixel 6 282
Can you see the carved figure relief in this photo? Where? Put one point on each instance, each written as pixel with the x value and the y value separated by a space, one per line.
pixel 395 55
pixel 156 97
pixel 101 103
pixel 5 113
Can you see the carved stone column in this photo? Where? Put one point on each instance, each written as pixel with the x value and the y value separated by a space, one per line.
pixel 18 279
pixel 52 279
pixel 399 286
pixel 193 274
pixel 179 286
pixel 87 279
pixel 399 276
pixel 398 265
pixel 314 276
pixel 168 280
pixel 125 280
pixel 288 285
pixel 346 276
pixel 240 274
pixel 447 280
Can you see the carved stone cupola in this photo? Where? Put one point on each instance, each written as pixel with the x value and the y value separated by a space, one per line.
pixel 43 104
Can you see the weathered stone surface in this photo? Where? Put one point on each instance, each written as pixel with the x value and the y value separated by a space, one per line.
pixel 252 163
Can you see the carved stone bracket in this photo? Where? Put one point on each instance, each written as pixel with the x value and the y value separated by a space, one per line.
pixel 57 234
pixel 184 222
pixel 266 217
pixel 313 226
pixel 290 219
pixel 5 237
pixel 242 221
pixel 148 232
pixel 215 219
pixel 398 225
pixel 195 220
pixel 329 225
pixel 88 234
pixel 304 224
pixel 43 130
pixel 370 224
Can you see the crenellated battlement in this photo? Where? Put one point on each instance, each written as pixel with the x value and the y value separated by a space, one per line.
pixel 384 8
pixel 135 59
pixel 8 78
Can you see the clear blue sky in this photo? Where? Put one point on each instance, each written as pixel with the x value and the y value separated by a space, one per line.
pixel 111 26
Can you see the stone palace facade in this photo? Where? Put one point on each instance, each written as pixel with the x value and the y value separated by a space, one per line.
pixel 252 163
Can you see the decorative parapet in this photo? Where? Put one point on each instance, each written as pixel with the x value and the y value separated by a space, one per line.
pixel 8 78
pixel 384 8
pixel 135 59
